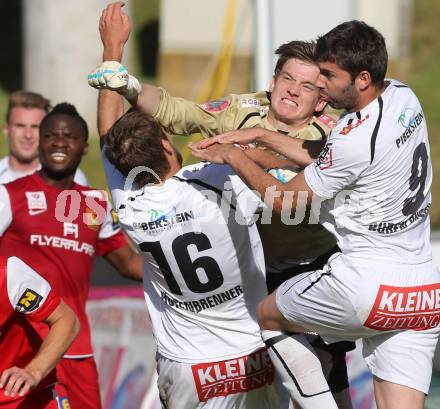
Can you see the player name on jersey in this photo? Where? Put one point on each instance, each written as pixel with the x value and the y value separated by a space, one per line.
pixel 416 308
pixel 389 228
pixel 204 303
pixel 236 375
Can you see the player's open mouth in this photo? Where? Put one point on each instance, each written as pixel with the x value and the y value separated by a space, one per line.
pixel 58 156
pixel 289 102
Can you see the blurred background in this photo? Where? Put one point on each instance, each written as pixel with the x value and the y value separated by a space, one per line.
pixel 203 50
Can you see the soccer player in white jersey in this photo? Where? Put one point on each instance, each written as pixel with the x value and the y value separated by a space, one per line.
pixel 371 182
pixel 205 274
pixel 23 116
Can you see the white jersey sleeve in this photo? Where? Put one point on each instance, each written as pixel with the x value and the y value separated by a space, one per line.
pixel 80 178
pixel 116 181
pixel 27 290
pixel 340 162
pixel 5 210
pixel 111 225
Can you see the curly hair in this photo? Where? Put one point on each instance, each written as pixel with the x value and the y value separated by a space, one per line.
pixel 65 108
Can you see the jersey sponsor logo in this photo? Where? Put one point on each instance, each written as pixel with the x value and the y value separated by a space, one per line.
pixel 410 121
pixel 325 158
pixel 61 243
pixel 328 120
pixel 159 220
pixel 407 117
pixel 389 228
pixel 70 229
pixel 237 375
pixel 36 202
pixel 203 303
pixel 29 301
pixel 403 308
pixel 352 125
pixel 249 103
pixel 216 105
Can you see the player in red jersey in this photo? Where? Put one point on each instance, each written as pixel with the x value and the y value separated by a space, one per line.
pixel 57 226
pixel 27 377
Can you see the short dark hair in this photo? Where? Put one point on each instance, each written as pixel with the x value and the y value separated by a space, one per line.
pixel 134 140
pixel 26 99
pixel 67 109
pixel 355 46
pixel 300 50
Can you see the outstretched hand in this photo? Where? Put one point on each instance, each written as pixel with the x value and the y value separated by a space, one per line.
pixel 215 153
pixel 240 137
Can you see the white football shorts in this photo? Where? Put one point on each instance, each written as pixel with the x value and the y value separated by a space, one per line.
pixel 394 308
pixel 247 382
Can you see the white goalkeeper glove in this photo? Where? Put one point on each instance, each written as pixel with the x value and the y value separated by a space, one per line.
pixel 114 76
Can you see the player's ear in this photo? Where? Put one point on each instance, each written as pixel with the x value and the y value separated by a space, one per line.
pixel 6 131
pixel 320 105
pixel 166 145
pixel 363 80
pixel 272 83
pixel 85 149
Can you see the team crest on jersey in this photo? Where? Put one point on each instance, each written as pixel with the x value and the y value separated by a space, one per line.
pixel 91 219
pixel 36 202
pixel 328 120
pixel 29 301
pixel 352 125
pixel 216 105
pixel 325 159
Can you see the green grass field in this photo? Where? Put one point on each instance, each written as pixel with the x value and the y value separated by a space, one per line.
pixel 423 75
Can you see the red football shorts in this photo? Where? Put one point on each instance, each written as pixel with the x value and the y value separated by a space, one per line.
pixel 78 382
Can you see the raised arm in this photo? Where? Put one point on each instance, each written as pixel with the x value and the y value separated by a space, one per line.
pixel 114 28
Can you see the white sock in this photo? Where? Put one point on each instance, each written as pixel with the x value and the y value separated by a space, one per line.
pixel 299 369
